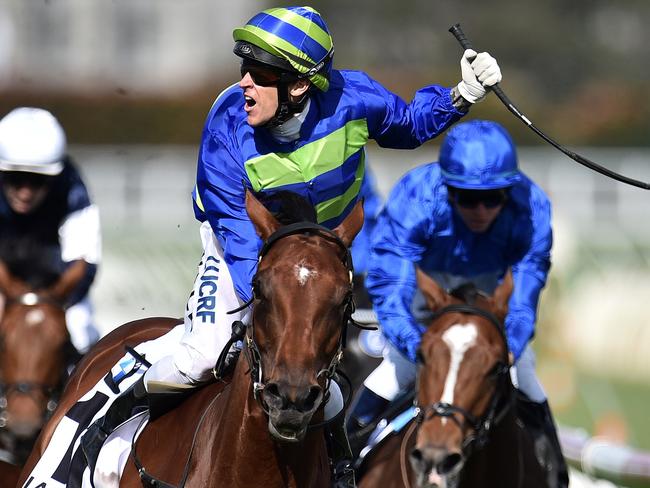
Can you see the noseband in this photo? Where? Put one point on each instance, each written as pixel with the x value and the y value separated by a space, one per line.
pixel 241 331
pixel 480 427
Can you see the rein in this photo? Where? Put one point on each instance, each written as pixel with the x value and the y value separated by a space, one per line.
pixel 481 427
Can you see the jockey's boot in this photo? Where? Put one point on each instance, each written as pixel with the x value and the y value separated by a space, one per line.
pixel 539 420
pixel 340 455
pixel 123 407
pixel 368 408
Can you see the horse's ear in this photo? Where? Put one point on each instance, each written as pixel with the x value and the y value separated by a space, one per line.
pixel 502 295
pixel 350 227
pixel 433 293
pixel 263 220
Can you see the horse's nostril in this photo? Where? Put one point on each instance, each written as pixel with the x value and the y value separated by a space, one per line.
pixel 449 463
pixel 420 461
pixel 272 395
pixel 416 455
pixel 312 397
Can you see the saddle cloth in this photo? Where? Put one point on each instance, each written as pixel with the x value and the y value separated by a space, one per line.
pixel 63 463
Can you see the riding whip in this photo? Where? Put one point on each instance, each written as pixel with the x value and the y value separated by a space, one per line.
pixel 466 44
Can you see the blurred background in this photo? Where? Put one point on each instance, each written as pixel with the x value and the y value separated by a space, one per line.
pixel 131 82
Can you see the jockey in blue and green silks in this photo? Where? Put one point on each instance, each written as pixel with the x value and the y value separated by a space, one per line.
pixel 293 123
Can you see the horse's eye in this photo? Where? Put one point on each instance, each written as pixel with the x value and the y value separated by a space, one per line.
pixel 497 370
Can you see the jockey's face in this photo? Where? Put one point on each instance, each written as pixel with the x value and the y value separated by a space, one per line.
pixel 260 86
pixel 261 102
pixel 24 191
pixel 478 208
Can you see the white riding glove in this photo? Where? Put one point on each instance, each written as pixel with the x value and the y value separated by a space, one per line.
pixel 479 71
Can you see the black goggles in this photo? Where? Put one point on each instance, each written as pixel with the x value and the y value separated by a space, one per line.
pixel 264 75
pixel 472 198
pixel 20 179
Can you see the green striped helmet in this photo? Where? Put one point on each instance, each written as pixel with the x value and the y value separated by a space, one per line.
pixel 294 39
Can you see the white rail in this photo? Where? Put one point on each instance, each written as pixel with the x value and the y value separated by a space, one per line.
pixel 600 458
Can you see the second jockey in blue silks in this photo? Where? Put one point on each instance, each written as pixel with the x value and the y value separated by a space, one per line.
pixel 467 218
pixel 293 123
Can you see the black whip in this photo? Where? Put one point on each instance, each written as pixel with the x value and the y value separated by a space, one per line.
pixel 466 44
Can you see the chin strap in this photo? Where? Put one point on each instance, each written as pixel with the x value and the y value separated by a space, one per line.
pixel 287 108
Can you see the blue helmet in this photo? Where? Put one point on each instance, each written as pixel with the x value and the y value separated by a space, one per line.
pixel 478 155
pixel 295 39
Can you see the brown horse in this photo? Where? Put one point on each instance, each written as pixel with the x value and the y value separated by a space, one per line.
pixel 263 428
pixel 35 349
pixel 465 432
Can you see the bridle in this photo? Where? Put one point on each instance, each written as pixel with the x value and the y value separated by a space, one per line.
pixel 480 426
pixel 246 332
pixel 29 388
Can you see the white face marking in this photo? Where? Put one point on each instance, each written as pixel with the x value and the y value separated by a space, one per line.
pixel 459 338
pixel 34 317
pixel 303 273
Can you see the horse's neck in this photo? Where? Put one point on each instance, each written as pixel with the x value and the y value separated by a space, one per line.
pixel 243 452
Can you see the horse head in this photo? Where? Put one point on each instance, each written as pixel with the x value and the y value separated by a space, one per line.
pixel 34 348
pixel 33 339
pixel 463 369
pixel 303 300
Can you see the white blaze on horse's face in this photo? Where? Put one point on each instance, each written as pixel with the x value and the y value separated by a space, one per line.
pixel 459 338
pixel 34 317
pixel 303 273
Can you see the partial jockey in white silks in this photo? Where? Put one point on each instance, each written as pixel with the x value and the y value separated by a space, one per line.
pixel 292 124
pixel 45 205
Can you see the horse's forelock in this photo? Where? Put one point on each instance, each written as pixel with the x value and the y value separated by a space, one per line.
pixel 467 293
pixel 289 207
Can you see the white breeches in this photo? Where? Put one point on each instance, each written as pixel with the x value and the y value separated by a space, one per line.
pixel 207 323
pixel 81 325
pixel 525 378
pixel 396 374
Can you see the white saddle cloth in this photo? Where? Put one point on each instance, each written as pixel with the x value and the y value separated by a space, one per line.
pixel 63 458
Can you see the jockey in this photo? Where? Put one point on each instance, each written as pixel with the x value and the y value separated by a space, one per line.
pixel 44 202
pixel 292 123
pixel 467 218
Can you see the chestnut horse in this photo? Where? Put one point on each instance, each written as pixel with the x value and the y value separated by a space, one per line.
pixel 35 349
pixel 264 427
pixel 465 432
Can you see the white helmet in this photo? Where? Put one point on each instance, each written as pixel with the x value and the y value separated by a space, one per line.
pixel 33 141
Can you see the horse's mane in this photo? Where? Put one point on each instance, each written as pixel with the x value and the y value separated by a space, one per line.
pixel 289 207
pixel 29 261
pixel 467 292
